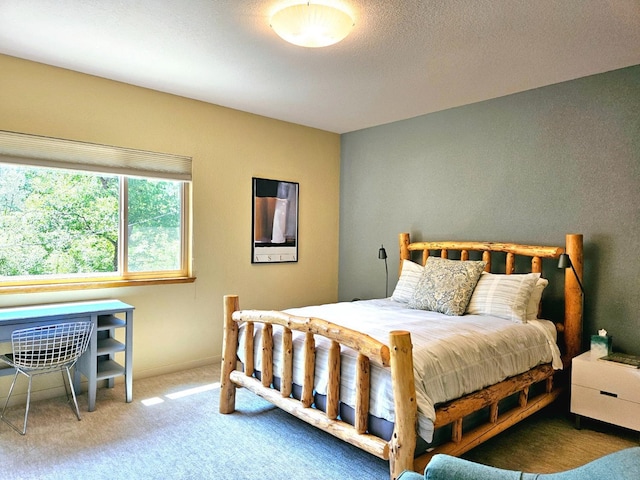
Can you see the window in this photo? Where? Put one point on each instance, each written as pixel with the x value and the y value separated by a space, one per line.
pixel 71 221
pixel 153 225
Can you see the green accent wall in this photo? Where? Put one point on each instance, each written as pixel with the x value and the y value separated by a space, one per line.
pixel 529 167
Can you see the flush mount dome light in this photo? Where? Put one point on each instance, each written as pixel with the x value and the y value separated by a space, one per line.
pixel 311 25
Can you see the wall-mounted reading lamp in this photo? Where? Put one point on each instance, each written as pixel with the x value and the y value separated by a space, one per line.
pixel 564 261
pixel 382 255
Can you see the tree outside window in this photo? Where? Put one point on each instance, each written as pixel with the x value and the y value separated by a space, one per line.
pixel 62 223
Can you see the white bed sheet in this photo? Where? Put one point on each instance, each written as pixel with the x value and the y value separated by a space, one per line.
pixel 453 356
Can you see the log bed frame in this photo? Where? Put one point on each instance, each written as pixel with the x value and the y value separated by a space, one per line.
pixel 397 356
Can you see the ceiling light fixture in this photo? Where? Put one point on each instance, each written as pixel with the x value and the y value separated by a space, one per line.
pixel 311 25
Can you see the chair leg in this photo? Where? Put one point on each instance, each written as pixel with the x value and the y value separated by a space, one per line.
pixel 66 389
pixel 26 411
pixel 73 392
pixel 6 403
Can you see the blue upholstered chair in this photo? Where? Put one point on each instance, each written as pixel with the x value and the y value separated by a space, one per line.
pixel 621 465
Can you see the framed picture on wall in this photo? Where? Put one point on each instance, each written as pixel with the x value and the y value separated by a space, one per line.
pixel 275 221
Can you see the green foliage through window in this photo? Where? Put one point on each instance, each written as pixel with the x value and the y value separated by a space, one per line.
pixel 66 223
pixel 154 225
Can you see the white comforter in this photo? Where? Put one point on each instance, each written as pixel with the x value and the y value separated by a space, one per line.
pixel 453 356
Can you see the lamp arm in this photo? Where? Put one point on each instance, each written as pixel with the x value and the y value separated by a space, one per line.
pixel 386 284
pixel 577 277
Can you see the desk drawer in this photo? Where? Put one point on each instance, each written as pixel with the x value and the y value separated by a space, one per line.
pixel 7 329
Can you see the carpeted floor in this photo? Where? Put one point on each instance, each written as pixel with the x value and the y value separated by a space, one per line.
pixel 173 429
pixel 549 442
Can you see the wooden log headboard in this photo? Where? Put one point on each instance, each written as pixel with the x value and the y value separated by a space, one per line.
pixel 571 327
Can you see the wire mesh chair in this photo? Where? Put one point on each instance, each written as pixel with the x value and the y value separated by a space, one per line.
pixel 46 349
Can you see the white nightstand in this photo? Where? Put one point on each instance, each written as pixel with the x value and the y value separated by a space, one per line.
pixel 605 391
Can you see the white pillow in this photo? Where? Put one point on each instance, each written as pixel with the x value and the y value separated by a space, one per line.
pixel 536 297
pixel 409 277
pixel 503 296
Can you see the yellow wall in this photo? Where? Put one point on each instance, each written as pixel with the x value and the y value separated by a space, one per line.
pixel 179 326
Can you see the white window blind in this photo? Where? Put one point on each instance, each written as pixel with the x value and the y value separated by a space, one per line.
pixel 35 150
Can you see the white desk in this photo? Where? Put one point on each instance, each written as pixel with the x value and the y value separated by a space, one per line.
pixel 97 363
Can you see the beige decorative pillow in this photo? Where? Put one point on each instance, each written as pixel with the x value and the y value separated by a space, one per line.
pixel 409 277
pixel 536 298
pixel 446 285
pixel 503 296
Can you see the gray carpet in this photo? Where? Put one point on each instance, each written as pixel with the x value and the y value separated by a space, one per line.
pixel 548 442
pixel 182 438
pixel 186 438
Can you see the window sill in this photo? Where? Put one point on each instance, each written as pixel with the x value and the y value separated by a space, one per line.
pixel 58 287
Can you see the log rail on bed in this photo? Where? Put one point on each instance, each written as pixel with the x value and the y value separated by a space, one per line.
pixel 397 356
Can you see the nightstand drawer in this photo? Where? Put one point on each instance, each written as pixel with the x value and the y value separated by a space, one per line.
pixel 608 377
pixel 602 406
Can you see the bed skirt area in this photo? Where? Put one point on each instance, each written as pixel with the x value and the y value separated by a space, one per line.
pixel 442 435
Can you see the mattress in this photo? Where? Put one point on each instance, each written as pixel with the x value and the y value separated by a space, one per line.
pixel 453 355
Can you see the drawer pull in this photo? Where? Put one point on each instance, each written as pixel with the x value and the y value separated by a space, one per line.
pixel 608 394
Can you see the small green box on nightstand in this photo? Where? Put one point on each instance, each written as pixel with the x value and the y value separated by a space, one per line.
pixel 601 344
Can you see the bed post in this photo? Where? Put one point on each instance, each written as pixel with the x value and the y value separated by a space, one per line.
pixel 405 254
pixel 403 441
pixel 573 298
pixel 229 347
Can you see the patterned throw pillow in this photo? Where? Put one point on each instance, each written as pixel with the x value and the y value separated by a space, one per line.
pixel 446 285
pixel 409 278
pixel 503 296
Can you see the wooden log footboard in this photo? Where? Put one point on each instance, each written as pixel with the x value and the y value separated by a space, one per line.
pixel 397 356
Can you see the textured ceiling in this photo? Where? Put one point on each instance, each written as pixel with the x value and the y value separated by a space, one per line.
pixel 404 58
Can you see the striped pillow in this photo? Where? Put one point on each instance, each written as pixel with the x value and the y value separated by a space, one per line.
pixel 536 298
pixel 409 277
pixel 503 296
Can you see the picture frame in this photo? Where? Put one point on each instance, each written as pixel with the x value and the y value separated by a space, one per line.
pixel 274 232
